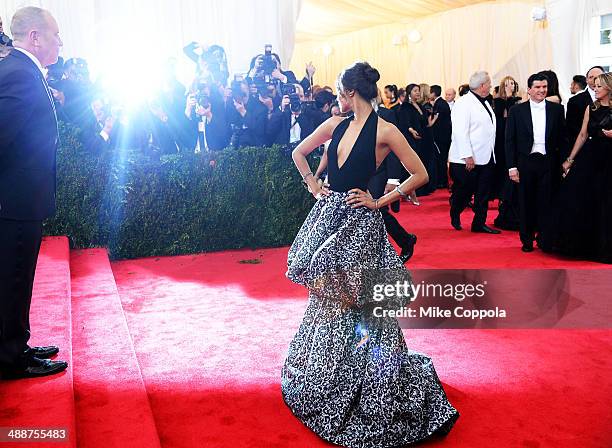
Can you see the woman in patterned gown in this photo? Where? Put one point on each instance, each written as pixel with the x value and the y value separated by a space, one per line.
pixel 347 377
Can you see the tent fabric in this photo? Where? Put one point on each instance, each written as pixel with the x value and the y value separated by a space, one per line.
pixel 321 19
pixel 111 31
pixel 499 37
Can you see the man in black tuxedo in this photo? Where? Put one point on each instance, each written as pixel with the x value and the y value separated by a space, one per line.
pixel 576 106
pixel 442 130
pixel 536 137
pixel 291 123
pixel 28 142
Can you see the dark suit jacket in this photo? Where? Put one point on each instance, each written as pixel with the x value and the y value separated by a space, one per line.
pixel 28 141
pixel 390 168
pixel 519 133
pixel 389 115
pixel 443 128
pixel 217 134
pixel 575 114
pixel 279 126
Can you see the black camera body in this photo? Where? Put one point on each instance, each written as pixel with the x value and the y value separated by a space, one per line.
pixel 294 99
pixel 268 62
pixel 202 97
pixel 263 88
pixel 5 40
pixel 203 100
pixel 237 92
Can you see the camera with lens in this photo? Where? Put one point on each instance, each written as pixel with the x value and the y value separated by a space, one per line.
pixel 265 89
pixel 5 40
pixel 236 87
pixel 294 99
pixel 202 95
pixel 268 62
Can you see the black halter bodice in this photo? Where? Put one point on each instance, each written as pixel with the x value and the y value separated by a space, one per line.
pixel 360 164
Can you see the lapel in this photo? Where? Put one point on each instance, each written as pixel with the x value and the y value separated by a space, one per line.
pixel 548 121
pixel 528 118
pixel 479 107
pixel 22 57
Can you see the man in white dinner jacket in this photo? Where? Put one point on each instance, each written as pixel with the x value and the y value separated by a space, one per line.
pixel 471 155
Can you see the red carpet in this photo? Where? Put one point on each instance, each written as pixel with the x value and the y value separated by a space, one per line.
pixel 441 246
pixel 226 326
pixel 187 351
pixel 45 402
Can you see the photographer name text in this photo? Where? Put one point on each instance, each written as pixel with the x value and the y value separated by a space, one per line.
pixel 436 312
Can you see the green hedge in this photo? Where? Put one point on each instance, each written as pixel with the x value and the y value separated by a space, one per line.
pixel 138 206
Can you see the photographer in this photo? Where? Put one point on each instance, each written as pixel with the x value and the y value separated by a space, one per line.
pixel 206 123
pixel 248 111
pixel 5 42
pixel 76 89
pixel 101 128
pixel 157 136
pixel 295 120
pixel 211 62
pixel 268 67
pixel 323 101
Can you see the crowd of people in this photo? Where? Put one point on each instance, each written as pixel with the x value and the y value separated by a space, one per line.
pixel 265 106
pixel 268 105
pixel 549 170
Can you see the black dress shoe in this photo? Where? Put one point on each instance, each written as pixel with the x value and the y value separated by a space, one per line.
pixel 485 229
pixel 43 352
pixel 527 248
pixel 456 223
pixel 408 251
pixel 36 367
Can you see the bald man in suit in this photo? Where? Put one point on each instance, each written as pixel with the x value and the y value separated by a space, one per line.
pixel 28 143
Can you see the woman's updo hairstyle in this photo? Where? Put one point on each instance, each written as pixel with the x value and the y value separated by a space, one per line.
pixel 360 77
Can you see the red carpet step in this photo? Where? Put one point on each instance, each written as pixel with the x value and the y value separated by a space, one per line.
pixel 46 402
pixel 111 401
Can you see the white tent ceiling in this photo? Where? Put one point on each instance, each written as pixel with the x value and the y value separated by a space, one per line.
pixel 320 19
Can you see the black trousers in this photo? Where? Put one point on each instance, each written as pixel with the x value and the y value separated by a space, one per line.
pixel 477 182
pixel 394 228
pixel 19 247
pixel 535 198
pixel 376 187
pixel 442 159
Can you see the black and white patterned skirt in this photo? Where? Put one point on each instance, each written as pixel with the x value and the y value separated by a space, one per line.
pixel 352 383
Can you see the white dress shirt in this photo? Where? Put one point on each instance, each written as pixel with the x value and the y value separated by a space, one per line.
pixel 538 120
pixel 295 132
pixel 592 93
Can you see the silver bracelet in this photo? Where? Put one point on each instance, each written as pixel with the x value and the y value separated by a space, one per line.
pixel 401 193
pixel 309 173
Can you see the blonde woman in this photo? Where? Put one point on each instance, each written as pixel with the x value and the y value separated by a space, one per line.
pixel 507 97
pixel 585 212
